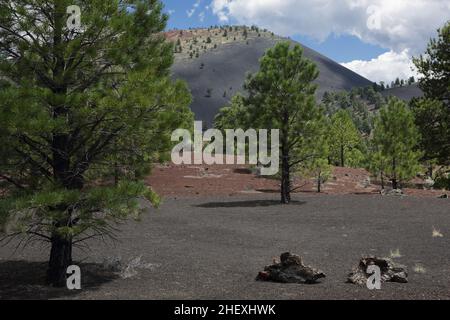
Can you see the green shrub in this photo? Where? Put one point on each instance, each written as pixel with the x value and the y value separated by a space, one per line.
pixel 442 183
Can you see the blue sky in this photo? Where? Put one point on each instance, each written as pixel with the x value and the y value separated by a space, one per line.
pixel 375 38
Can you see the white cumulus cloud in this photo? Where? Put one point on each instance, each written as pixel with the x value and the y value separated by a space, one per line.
pixel 396 25
pixel 393 24
pixel 386 67
pixel 201 16
pixel 191 11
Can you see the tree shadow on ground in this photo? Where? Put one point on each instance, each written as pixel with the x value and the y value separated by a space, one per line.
pixel 268 190
pixel 246 204
pixel 25 280
pixel 366 193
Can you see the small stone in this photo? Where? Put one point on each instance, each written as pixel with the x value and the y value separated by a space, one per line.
pixel 428 183
pixel 393 192
pixel 366 183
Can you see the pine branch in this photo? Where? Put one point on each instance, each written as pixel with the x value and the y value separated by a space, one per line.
pixel 12 181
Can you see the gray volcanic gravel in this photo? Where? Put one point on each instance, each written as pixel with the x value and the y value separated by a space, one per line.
pixel 213 248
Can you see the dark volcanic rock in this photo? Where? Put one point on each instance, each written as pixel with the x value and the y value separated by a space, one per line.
pixel 290 270
pixel 390 271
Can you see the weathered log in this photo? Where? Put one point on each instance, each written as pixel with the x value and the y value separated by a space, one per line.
pixel 390 271
pixel 290 270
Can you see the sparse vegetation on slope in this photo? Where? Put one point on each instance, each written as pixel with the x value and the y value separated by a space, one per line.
pixel 224 63
pixel 193 43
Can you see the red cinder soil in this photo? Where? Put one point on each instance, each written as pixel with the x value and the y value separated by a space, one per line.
pixel 230 180
pixel 191 180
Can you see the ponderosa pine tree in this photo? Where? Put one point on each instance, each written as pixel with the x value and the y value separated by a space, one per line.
pixel 433 117
pixel 77 106
pixel 377 163
pixel 434 66
pixel 395 139
pixel 318 167
pixel 281 96
pixel 322 172
pixel 234 115
pixel 344 137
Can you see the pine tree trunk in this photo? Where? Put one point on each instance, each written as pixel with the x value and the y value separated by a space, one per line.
pixel 116 174
pixel 319 183
pixel 60 260
pixel 285 181
pixel 394 184
pixel 285 169
pixel 61 246
pixel 394 179
pixel 116 168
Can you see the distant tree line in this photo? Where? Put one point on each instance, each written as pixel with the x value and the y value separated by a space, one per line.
pixel 361 128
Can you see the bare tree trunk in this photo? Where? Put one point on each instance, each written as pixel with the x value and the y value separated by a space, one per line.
pixel 60 260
